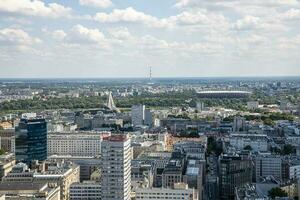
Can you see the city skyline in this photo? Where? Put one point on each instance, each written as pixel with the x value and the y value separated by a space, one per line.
pixel 177 38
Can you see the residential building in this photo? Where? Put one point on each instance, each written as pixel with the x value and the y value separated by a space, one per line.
pixel 116 155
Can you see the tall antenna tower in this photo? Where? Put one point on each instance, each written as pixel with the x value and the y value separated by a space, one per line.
pixel 150 75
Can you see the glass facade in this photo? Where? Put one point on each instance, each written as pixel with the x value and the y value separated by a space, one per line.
pixel 31 140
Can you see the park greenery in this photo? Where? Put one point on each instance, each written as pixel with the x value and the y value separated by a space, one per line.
pixel 187 98
pixel 277 192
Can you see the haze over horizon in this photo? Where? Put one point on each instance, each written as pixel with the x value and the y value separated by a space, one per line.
pixel 122 38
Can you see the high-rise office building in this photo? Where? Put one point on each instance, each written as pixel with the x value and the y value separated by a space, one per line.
pixel 138 115
pixel 31 140
pixel 116 157
pixel 235 171
pixel 239 124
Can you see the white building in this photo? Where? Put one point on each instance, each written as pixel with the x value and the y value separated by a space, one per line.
pixel 252 105
pixel 258 142
pixel 74 144
pixel 138 115
pixel 116 154
pixel 87 190
pixel 180 191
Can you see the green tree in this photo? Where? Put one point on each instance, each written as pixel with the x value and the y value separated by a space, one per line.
pixel 248 147
pixel 2 151
pixel 277 192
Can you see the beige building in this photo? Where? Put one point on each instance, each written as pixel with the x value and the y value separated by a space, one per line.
pixel 62 174
pixel 7 162
pixel 29 191
pixel 6 137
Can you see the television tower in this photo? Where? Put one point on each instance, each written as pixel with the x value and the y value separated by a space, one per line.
pixel 150 75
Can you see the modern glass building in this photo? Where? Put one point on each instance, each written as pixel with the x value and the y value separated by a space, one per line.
pixel 31 140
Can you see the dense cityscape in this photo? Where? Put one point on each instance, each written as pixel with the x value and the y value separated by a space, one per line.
pixel 149 100
pixel 189 138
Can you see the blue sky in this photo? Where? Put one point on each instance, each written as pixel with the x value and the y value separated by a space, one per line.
pixel 121 38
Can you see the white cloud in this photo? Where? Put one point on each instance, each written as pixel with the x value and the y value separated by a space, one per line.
pixel 16 37
pixel 80 36
pixel 96 3
pixel 247 23
pixel 130 15
pixel 59 34
pixel 34 8
pixel 291 14
pixel 121 33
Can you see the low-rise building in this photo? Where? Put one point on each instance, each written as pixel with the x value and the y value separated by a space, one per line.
pixel 87 190
pixel 29 191
pixel 7 162
pixel 62 174
pixel 180 191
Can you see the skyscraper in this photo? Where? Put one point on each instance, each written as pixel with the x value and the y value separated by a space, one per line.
pixel 138 115
pixel 31 140
pixel 116 167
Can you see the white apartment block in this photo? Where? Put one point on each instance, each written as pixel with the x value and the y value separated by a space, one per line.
pixel 258 142
pixel 116 157
pixel 74 144
pixel 180 192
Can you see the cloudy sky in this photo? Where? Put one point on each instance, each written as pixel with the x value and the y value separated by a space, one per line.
pixel 121 38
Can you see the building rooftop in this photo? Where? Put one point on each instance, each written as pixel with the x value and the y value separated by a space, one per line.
pixel 116 138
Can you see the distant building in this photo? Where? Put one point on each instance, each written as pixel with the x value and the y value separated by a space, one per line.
pixel 180 191
pixel 87 190
pixel 199 106
pixel 116 155
pixel 257 142
pixel 138 115
pixel 252 105
pixel 31 140
pixel 235 171
pixel 239 124
pixel 148 117
pixel 223 94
